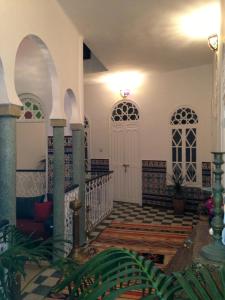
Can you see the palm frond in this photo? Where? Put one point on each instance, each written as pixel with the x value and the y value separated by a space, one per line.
pixel 115 271
pixel 200 284
pixel 19 250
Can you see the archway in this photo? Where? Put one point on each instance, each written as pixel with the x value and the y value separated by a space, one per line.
pixel 36 86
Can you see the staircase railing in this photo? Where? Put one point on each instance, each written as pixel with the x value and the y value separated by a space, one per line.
pixel 98 197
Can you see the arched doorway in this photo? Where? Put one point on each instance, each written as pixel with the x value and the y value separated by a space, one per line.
pixel 125 153
pixel 36 86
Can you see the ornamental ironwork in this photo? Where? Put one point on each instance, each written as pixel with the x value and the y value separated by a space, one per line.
pixel 184 116
pixel 125 111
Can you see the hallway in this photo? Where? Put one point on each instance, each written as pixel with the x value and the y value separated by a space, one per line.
pixel 122 212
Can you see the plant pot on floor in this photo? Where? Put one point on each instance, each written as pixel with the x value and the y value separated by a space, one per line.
pixel 178 205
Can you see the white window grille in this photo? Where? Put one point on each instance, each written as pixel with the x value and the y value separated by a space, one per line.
pixel 184 144
pixel 125 111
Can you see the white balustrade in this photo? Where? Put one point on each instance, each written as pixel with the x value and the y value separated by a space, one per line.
pixel 71 195
pixel 98 199
pixel 98 205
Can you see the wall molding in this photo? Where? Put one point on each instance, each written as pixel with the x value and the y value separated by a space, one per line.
pixel 12 110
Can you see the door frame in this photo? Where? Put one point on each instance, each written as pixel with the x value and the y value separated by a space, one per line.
pixel 137 123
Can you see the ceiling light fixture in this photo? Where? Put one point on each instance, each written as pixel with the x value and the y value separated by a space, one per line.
pixel 202 22
pixel 124 93
pixel 122 81
pixel 213 42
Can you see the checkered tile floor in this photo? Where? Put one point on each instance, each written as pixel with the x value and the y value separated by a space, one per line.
pixel 41 287
pixel 122 212
pixel 126 212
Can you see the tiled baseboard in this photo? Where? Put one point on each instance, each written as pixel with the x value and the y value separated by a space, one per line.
pixel 156 192
pixel 99 165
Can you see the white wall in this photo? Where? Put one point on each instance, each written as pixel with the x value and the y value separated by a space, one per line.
pixel 31 144
pixel 47 21
pixel 158 98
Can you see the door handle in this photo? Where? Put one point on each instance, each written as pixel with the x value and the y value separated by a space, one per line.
pixel 125 167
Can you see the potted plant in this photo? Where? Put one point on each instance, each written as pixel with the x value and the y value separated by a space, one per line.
pixel 178 198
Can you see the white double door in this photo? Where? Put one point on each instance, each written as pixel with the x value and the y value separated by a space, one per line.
pixel 125 162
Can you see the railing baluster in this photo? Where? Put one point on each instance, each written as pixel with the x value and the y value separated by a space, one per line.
pixel 98 199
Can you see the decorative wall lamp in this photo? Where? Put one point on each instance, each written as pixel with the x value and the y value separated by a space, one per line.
pixel 124 93
pixel 213 42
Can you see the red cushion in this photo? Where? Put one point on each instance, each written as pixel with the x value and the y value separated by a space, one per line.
pixel 42 211
pixel 30 227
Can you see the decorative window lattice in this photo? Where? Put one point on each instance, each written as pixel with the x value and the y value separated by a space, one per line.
pixel 31 110
pixel 184 116
pixel 191 154
pixel 184 144
pixel 177 152
pixel 125 111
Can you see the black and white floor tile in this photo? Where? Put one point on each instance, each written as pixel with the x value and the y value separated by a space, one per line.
pixel 122 212
pixel 41 286
pixel 127 212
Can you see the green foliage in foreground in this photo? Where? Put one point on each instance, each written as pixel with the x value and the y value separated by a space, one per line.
pixel 107 275
pixel 20 249
pixel 115 271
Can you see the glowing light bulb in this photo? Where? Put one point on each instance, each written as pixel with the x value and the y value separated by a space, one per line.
pixel 202 22
pixel 123 81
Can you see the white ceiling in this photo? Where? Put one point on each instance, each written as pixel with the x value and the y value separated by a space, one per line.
pixel 138 34
pixel 124 34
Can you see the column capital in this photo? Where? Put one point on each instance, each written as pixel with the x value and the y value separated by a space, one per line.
pixel 8 109
pixel 58 122
pixel 76 126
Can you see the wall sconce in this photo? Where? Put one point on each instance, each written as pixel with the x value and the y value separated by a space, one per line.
pixel 124 93
pixel 213 42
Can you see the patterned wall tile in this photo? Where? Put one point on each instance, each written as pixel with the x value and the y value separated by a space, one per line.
pixel 206 174
pixel 50 164
pixel 30 184
pixel 99 165
pixel 154 189
pixel 156 192
pixel 67 162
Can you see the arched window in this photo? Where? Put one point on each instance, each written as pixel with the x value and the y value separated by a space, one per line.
pixel 86 141
pixel 125 111
pixel 31 109
pixel 184 143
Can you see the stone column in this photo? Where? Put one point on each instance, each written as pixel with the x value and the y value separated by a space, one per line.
pixel 8 115
pixel 58 177
pixel 215 251
pixel 79 172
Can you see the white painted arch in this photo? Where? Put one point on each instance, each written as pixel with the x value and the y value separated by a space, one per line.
pixel 35 72
pixel 57 33
pixel 71 108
